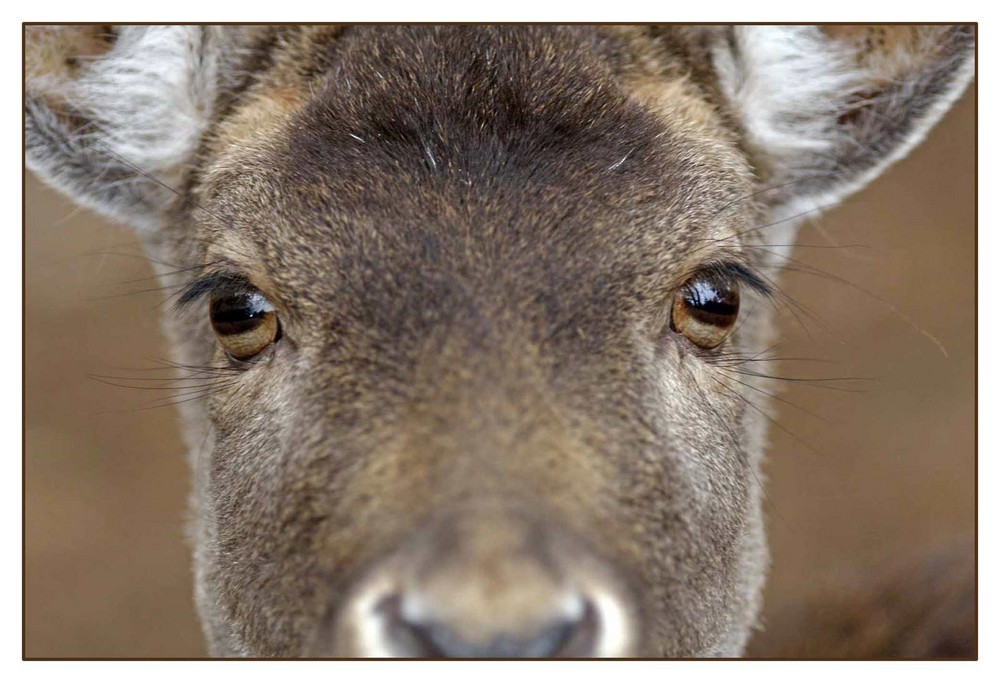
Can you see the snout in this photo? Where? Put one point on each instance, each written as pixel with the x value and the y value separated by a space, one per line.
pixel 487 587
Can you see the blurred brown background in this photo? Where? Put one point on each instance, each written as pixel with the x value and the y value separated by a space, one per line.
pixel 887 473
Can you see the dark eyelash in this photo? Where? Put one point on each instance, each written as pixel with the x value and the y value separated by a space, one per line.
pixel 217 281
pixel 743 274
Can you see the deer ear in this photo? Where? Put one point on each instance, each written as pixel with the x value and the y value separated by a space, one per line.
pixel 825 109
pixel 114 114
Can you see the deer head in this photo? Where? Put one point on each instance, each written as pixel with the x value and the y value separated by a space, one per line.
pixel 466 297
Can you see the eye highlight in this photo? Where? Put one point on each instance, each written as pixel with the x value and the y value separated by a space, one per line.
pixel 245 323
pixel 706 307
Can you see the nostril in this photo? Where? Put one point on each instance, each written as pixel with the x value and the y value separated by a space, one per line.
pixel 573 633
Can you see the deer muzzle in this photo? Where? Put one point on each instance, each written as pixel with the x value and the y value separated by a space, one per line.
pixel 493 585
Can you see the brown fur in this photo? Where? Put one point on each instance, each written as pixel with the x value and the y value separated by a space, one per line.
pixel 480 337
pixel 472 237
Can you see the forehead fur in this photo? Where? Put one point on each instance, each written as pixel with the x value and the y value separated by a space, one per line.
pixel 474 128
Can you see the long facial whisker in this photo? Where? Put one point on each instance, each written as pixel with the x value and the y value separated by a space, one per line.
pixel 734 240
pixel 773 188
pixel 105 149
pixel 149 176
pixel 813 382
pixel 173 385
pixel 810 270
pixel 172 365
pixel 736 360
pixel 183 398
pixel 770 419
pixel 777 398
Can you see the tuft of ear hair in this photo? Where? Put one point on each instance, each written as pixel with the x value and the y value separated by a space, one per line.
pixel 114 114
pixel 825 109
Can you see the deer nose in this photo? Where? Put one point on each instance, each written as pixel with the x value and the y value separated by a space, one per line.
pixel 486 586
pixel 571 630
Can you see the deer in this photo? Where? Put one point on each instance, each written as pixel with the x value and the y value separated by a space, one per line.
pixel 468 299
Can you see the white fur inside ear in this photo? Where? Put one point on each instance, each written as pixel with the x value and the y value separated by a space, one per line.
pixel 788 84
pixel 150 97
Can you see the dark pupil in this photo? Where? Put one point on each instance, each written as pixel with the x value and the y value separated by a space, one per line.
pixel 237 314
pixel 712 302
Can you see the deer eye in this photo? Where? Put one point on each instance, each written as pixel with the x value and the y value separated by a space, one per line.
pixel 245 323
pixel 705 308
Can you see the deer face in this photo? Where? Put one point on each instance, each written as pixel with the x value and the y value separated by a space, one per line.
pixel 470 297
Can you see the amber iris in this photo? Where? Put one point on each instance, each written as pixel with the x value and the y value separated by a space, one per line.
pixel 705 309
pixel 245 323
